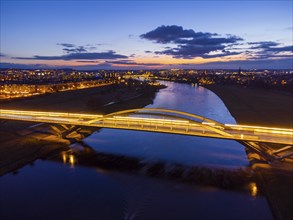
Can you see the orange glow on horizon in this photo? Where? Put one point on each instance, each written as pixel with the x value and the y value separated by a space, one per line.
pixel 167 60
pixel 150 61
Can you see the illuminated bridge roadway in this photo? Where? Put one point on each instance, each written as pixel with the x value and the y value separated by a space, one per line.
pixel 256 138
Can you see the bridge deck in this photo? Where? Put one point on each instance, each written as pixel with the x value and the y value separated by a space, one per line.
pixel 164 125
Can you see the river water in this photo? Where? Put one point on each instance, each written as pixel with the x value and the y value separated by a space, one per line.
pixel 53 190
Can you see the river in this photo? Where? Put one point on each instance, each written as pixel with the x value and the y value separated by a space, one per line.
pixel 53 190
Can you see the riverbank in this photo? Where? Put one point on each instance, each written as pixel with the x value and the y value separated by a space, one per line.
pixel 23 142
pixel 173 158
pixel 254 106
pixel 265 108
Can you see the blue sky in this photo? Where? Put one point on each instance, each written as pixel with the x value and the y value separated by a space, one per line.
pixel 146 34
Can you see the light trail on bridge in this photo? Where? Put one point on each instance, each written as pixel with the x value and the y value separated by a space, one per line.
pixel 165 124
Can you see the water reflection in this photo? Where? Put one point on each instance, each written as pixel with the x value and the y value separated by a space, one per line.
pixel 68 158
pixel 185 150
pixel 139 175
pixel 88 194
pixel 71 161
pixel 64 157
pixel 253 189
pixel 229 179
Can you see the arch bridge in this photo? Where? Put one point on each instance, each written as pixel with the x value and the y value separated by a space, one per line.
pixel 256 138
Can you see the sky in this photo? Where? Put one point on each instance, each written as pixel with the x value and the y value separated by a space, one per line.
pixel 146 34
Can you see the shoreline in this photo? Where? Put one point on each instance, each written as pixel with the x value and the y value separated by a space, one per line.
pixel 256 106
pixel 265 108
pixel 275 185
pixel 37 142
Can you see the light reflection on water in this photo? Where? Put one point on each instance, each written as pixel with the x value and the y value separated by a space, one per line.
pixel 53 190
pixel 177 148
pixel 68 158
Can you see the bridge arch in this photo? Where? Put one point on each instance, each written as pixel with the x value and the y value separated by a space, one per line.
pixel 196 119
pixel 167 112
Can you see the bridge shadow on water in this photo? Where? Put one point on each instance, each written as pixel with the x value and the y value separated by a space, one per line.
pixel 239 179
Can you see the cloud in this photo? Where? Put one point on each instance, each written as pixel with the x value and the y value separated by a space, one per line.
pixel 269 49
pixel 263 44
pixel 2 55
pixel 270 46
pixel 72 48
pixel 130 62
pixel 78 56
pixel 167 34
pixel 281 49
pixel 74 52
pixel 191 44
pixel 24 66
pixel 191 51
pixel 66 45
pixel 87 61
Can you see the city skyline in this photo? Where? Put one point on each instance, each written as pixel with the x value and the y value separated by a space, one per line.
pixel 146 35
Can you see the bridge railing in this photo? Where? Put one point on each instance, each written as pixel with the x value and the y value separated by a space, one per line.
pixel 178 124
pixel 50 114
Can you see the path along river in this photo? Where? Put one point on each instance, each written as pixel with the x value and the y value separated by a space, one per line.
pixel 52 190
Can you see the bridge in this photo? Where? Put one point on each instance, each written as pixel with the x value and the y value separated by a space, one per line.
pixel 256 138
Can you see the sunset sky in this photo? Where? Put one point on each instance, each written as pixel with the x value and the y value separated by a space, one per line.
pixel 146 34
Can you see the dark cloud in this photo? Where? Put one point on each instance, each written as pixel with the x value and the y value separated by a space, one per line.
pixel 281 49
pixel 263 44
pixel 270 46
pixel 74 52
pixel 269 56
pixel 87 61
pixel 191 51
pixel 66 45
pixel 72 48
pixel 208 40
pixel 269 49
pixel 79 49
pixel 148 51
pixel 168 34
pixel 78 56
pixel 130 62
pixel 24 66
pixel 191 44
pixel 2 55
